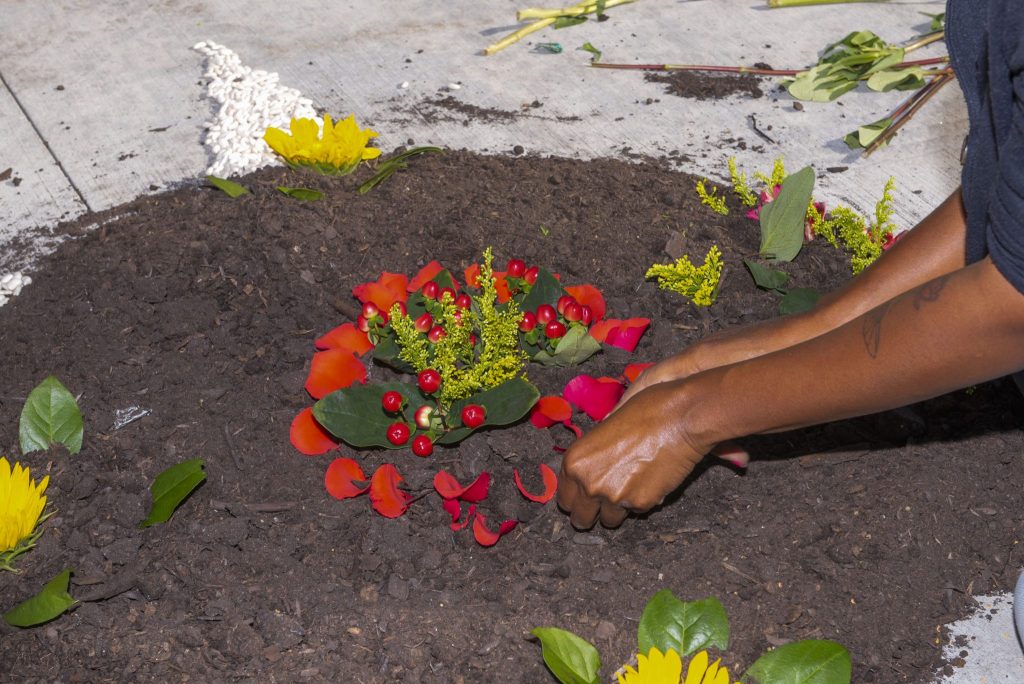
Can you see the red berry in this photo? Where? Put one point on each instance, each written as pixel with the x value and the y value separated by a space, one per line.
pixel 370 310
pixel 422 446
pixel 545 314
pixel 516 268
pixel 362 323
pixel 586 315
pixel 392 401
pixel 436 334
pixel 564 301
pixel 473 416
pixel 528 322
pixel 463 301
pixel 423 415
pixel 448 291
pixel 429 380
pixel 398 433
pixel 554 329
pixel 531 275
pixel 424 323
pixel 573 312
pixel 431 290
pixel 472 340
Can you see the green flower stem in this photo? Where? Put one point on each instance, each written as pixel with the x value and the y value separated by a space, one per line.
pixel 744 69
pixel 926 39
pixel 806 3
pixel 517 36
pixel 587 7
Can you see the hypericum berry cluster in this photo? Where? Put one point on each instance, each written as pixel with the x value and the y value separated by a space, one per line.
pixel 430 321
pixel 373 319
pixel 553 322
pixel 429 421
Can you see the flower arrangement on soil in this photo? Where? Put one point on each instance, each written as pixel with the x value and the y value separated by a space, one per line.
pixel 21 510
pixel 467 346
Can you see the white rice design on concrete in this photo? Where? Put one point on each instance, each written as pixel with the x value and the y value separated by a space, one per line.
pixel 251 100
pixel 11 284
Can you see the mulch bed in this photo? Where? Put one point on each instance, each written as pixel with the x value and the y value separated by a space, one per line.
pixel 203 309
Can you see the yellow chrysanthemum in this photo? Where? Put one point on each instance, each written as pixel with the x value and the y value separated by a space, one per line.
pixel 653 668
pixel 699 671
pixel 336 150
pixel 21 505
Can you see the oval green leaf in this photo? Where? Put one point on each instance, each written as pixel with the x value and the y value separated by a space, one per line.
pixel 50 416
pixel 571 659
pixel 53 600
pixel 782 220
pixel 354 414
pixel 684 626
pixel 505 404
pixel 304 194
pixel 799 300
pixel 230 188
pixel 575 347
pixel 764 277
pixel 814 661
pixel 171 487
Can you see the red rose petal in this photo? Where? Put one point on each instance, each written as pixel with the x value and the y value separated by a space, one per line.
pixel 449 488
pixel 550 485
pixel 453 508
pixel 501 286
pixel 472 275
pixel 348 337
pixel 456 526
pixel 549 411
pixel 308 436
pixel 622 334
pixel 426 274
pixel 594 396
pixel 388 289
pixel 633 370
pixel 386 497
pixel 599 331
pixel 588 295
pixel 484 537
pixel 341 478
pixel 331 370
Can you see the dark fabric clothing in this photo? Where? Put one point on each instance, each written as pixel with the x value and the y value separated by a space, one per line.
pixel 986 47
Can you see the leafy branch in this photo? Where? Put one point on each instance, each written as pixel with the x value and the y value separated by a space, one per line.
pixel 559 18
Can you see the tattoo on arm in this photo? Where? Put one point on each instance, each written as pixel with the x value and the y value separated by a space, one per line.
pixel 929 292
pixel 871 328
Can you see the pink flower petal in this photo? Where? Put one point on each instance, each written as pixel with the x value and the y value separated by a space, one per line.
pixel 594 396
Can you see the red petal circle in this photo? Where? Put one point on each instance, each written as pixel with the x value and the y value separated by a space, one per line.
pixel 341 478
pixel 331 370
pixel 346 336
pixel 386 497
pixel 308 436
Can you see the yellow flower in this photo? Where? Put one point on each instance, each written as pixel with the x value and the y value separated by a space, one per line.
pixel 337 151
pixel 653 668
pixel 21 505
pixel 700 672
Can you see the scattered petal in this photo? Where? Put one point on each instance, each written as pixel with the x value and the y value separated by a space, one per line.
pixel 386 497
pixel 550 485
pixel 456 526
pixel 345 479
pixel 453 508
pixel 388 289
pixel 484 537
pixel 588 295
pixel 594 396
pixel 331 370
pixel 472 275
pixel 550 410
pixel 426 274
pixel 348 337
pixel 633 370
pixel 618 333
pixel 449 488
pixel 308 436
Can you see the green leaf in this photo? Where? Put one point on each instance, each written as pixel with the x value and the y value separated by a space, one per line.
pixel 171 487
pixel 575 347
pixel 389 166
pixel 799 300
pixel 230 188
pixel 50 416
pixel 910 78
pixel 938 20
pixel 304 194
pixel 554 48
pixel 545 290
pixel 764 277
pixel 866 134
pixel 685 626
pixel 565 22
pixel 782 220
pixel 505 404
pixel 592 50
pixel 803 662
pixel 52 601
pixel 571 659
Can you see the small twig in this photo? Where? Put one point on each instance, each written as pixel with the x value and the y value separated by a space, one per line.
pixel 927 39
pixel 231 447
pixel 517 36
pixel 753 124
pixel 743 69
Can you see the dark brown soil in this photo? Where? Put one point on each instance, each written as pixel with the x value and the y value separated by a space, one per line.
pixel 203 309
pixel 700 86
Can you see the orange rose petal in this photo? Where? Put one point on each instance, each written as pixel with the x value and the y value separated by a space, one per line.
pixel 633 370
pixel 599 331
pixel 341 478
pixel 308 436
pixel 484 537
pixel 550 410
pixel 332 370
pixel 346 336
pixel 449 488
pixel 550 485
pixel 472 275
pixel 386 497
pixel 501 286
pixel 426 274
pixel 387 290
pixel 588 295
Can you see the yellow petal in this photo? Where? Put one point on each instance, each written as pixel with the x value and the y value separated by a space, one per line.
pixel 698 666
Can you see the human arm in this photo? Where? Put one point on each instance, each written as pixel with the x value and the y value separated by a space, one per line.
pixel 958 329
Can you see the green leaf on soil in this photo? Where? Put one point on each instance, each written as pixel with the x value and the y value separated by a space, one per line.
pixel 354 414
pixel 799 300
pixel 685 626
pixel 50 416
pixel 764 277
pixel 171 487
pixel 53 600
pixel 230 188
pixel 304 194
pixel 866 134
pixel 565 22
pixel 782 220
pixel 592 50
pixel 575 347
pixel 505 404
pixel 813 661
pixel 389 166
pixel 572 660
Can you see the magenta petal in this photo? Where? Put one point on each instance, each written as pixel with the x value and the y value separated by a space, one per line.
pixel 628 334
pixel 594 397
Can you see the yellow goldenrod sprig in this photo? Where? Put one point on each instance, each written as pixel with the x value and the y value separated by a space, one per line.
pixel 740 186
pixel 697 283
pixel 713 200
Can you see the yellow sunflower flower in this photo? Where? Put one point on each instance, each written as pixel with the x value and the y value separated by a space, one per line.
pixel 336 150
pixel 700 672
pixel 653 668
pixel 21 505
